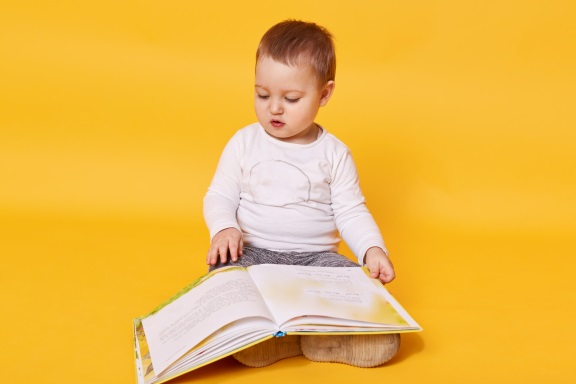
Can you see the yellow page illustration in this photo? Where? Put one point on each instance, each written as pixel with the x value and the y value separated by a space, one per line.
pixel 325 295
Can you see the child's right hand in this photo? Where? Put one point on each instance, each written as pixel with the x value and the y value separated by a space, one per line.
pixel 226 241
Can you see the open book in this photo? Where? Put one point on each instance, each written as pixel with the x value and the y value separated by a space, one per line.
pixel 233 308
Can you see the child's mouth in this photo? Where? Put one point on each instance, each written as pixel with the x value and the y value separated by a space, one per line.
pixel 277 123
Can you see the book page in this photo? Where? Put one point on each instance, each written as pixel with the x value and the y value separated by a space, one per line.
pixel 303 295
pixel 227 340
pixel 224 296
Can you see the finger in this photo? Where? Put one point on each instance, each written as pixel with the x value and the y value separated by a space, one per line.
pixel 241 247
pixel 387 273
pixel 386 278
pixel 233 251
pixel 212 254
pixel 374 269
pixel 223 251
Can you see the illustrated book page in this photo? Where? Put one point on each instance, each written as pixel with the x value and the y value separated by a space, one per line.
pixel 332 299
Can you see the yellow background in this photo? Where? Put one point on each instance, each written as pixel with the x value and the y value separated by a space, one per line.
pixel 460 115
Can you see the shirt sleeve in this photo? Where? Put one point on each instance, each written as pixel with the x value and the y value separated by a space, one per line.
pixel 353 219
pixel 223 196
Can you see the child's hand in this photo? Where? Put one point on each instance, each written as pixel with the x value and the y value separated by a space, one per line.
pixel 227 240
pixel 379 265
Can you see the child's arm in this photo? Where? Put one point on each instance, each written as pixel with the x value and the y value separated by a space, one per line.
pixel 221 203
pixel 353 219
pixel 379 265
pixel 226 241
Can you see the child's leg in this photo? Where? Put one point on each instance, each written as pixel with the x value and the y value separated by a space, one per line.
pixel 363 351
pixel 326 259
pixel 270 351
pixel 358 350
pixel 254 256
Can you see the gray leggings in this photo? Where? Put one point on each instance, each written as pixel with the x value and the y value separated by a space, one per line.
pixel 252 256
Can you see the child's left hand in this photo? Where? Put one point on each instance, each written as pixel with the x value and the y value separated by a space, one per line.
pixel 379 265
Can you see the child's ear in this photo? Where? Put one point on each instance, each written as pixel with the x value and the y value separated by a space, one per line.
pixel 327 91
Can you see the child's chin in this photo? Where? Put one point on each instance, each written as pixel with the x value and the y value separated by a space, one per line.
pixel 273 132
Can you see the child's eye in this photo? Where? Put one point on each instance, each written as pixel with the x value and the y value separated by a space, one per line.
pixel 291 100
pixel 263 97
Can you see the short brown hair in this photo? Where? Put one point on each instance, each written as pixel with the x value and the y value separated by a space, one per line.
pixel 294 42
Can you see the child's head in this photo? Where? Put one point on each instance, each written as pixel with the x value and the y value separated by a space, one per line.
pixel 298 43
pixel 295 68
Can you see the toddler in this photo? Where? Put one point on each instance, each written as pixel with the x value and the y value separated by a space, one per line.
pixel 285 190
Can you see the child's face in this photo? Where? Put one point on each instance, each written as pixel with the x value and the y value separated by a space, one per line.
pixel 287 99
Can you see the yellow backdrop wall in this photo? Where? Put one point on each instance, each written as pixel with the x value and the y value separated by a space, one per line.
pixel 460 115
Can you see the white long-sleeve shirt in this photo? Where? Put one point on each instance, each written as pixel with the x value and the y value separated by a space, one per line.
pixel 290 197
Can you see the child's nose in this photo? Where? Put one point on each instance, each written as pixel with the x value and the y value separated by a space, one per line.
pixel 276 107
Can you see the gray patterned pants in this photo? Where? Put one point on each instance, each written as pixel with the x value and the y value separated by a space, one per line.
pixel 252 256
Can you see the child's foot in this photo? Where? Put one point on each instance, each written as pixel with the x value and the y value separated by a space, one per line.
pixel 270 351
pixel 358 350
